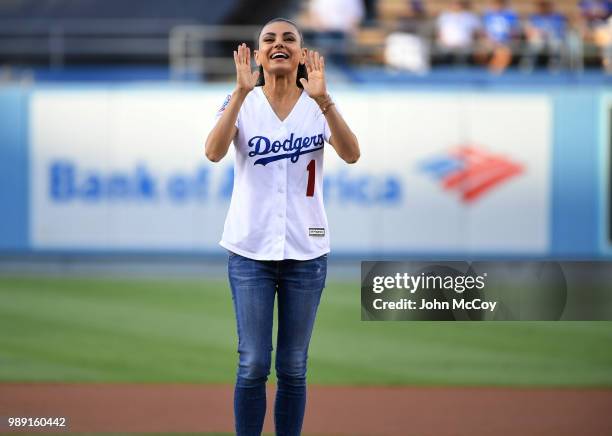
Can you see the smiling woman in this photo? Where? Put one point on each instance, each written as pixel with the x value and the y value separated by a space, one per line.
pixel 276 230
pixel 282 55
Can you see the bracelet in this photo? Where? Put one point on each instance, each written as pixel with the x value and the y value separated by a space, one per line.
pixel 324 110
pixel 326 104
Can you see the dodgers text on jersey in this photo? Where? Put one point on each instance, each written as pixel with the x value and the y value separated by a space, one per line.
pixel 262 146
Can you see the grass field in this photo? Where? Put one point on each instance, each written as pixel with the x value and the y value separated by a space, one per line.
pixel 107 330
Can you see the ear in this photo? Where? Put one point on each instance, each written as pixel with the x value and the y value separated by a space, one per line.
pixel 256 56
pixel 303 55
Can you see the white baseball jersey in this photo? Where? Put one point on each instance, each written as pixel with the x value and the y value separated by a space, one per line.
pixel 276 211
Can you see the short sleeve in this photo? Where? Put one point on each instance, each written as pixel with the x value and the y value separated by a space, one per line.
pixel 222 109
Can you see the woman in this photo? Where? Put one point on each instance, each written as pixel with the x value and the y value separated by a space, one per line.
pixel 276 228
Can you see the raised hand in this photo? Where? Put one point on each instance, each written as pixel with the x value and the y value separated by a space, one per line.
pixel 245 78
pixel 315 66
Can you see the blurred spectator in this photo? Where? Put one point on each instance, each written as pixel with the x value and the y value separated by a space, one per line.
pixel 457 29
pixel 595 12
pixel 335 23
pixel 545 31
pixel 407 48
pixel 596 29
pixel 501 28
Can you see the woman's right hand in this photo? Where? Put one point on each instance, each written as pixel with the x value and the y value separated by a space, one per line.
pixel 245 78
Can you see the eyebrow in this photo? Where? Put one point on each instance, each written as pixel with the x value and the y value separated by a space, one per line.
pixel 274 34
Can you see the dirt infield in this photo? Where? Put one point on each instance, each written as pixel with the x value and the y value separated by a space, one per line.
pixel 370 411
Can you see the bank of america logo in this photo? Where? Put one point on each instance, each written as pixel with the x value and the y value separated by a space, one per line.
pixel 471 172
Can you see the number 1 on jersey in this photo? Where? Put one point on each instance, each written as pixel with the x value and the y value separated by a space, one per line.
pixel 311 178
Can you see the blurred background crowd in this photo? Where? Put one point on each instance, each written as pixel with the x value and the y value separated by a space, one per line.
pixel 193 38
pixel 500 33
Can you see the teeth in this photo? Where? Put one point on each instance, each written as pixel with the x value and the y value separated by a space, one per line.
pixel 279 55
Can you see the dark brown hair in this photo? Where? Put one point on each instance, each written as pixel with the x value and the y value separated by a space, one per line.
pixel 302 73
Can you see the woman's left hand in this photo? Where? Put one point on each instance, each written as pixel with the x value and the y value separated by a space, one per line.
pixel 315 66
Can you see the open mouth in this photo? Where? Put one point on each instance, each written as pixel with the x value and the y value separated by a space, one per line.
pixel 279 55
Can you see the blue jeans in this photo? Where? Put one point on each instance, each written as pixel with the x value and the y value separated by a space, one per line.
pixel 254 285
